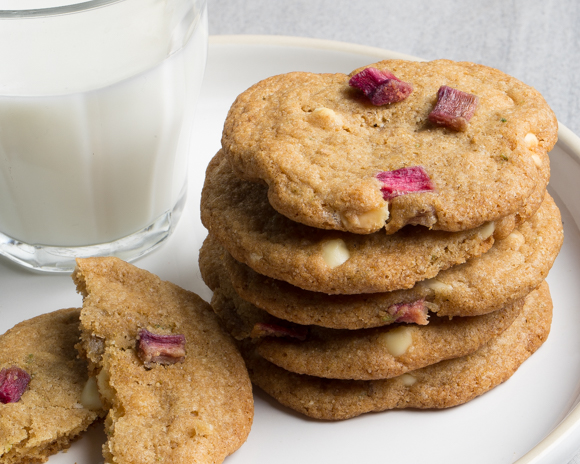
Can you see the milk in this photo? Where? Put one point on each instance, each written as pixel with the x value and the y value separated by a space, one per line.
pixel 94 165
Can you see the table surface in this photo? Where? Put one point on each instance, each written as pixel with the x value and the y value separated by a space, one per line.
pixel 536 41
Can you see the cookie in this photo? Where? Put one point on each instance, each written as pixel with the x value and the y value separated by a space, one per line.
pixel 189 402
pixel 369 354
pixel 237 213
pixel 442 385
pixel 52 411
pixel 322 148
pixel 509 271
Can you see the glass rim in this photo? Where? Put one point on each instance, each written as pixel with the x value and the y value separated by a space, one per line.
pixel 75 7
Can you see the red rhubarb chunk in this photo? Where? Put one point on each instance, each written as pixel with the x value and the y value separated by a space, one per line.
pixel 381 87
pixel 413 179
pixel 13 383
pixel 160 349
pixel 414 312
pixel 262 330
pixel 454 108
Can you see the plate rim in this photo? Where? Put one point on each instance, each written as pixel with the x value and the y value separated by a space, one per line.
pixel 568 428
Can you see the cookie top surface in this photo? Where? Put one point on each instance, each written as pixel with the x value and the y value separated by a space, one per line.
pixel 511 269
pixel 49 414
pixel 237 213
pixel 442 385
pixel 319 144
pixel 368 354
pixel 197 410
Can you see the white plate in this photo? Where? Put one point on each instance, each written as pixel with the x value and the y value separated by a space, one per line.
pixel 508 424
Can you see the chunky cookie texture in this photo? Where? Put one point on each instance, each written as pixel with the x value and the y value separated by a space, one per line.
pixel 319 145
pixel 51 411
pixel 337 318
pixel 442 385
pixel 238 215
pixel 357 354
pixel 511 269
pixel 198 408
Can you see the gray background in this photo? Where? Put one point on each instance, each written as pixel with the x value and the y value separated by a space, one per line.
pixel 537 41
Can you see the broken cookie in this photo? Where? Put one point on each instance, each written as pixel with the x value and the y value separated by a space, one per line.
pixel 175 385
pixel 42 388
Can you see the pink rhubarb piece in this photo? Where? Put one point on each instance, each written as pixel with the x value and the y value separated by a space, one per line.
pixel 381 87
pixel 262 329
pixel 160 349
pixel 414 312
pixel 13 383
pixel 402 181
pixel 454 108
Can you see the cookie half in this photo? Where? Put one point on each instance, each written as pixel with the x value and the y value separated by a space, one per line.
pixel 510 270
pixel 238 215
pixel 379 353
pixel 321 147
pixel 52 411
pixel 448 383
pixel 198 408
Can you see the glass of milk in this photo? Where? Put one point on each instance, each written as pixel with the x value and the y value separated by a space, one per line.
pixel 96 108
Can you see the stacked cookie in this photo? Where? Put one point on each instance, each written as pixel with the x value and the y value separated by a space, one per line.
pixel 380 240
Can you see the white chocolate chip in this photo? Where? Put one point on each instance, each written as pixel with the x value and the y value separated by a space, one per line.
pixel 398 341
pixel 326 118
pixel 437 286
pixel 335 252
pixel 531 140
pixel 324 112
pixel 255 257
pixel 408 380
pixel 90 398
pixel 203 428
pixel 537 160
pixel 487 230
pixel 374 219
pixel 516 239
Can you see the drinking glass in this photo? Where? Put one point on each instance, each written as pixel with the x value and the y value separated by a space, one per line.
pixel 96 108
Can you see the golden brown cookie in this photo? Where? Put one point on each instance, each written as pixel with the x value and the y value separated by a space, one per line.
pixel 379 353
pixel 52 411
pixel 510 270
pixel 442 385
pixel 238 215
pixel 321 147
pixel 179 403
